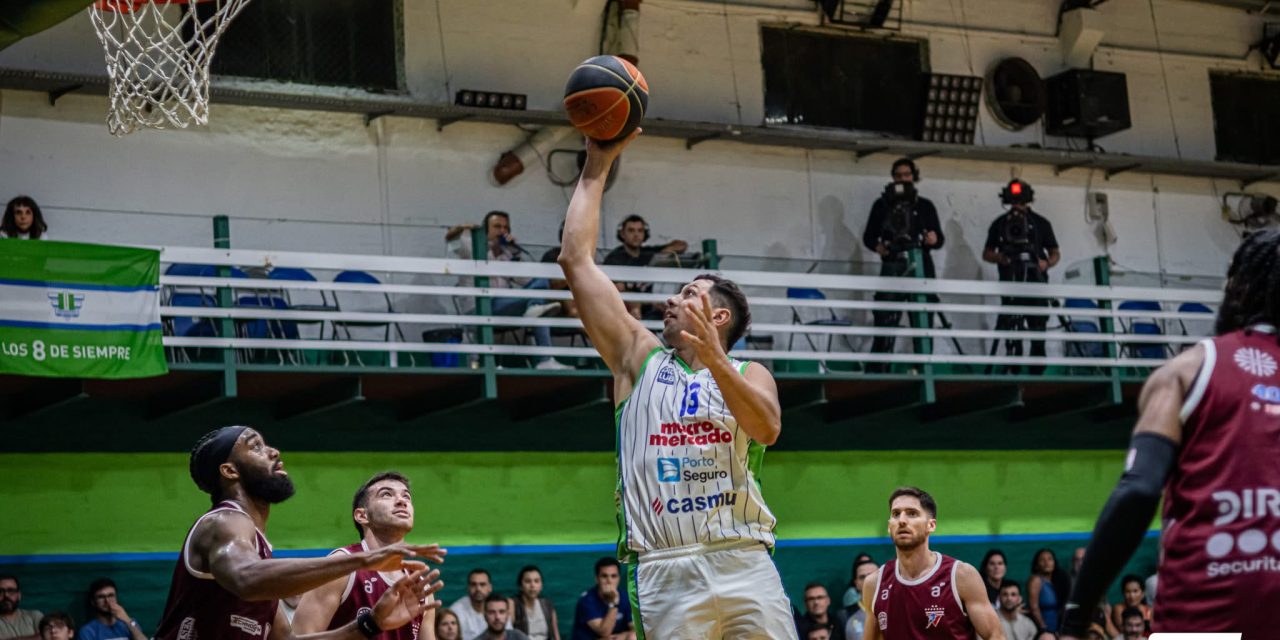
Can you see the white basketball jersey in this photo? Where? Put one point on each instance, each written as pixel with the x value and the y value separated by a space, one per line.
pixel 687 473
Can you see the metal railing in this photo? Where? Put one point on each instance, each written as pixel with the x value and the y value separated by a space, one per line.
pixel 421 293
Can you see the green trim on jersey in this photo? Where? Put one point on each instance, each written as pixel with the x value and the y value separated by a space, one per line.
pixel 624 553
pixel 633 594
pixel 683 365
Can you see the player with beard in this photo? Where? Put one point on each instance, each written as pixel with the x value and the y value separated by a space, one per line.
pixel 1205 441
pixel 922 594
pixel 692 427
pixel 226 585
pixel 382 511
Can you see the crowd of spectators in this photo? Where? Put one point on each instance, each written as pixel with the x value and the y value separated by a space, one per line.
pixel 1028 610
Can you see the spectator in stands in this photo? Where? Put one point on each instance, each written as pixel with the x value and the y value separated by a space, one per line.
pixel 447 627
pixel 1096 632
pixel 504 248
pixel 22 624
pixel 1016 626
pixel 853 596
pixel 23 220
pixel 1022 245
pixel 1047 590
pixel 110 620
pixel 603 610
pixel 1135 597
pixel 56 625
pixel 497 620
pixel 1133 623
pixel 994 568
pixel 568 308
pixel 633 232
pixel 470 608
pixel 901 220
pixel 817 607
pixel 530 612
pixel 819 633
pixel 855 619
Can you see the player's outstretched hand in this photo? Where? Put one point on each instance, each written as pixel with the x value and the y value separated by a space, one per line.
pixel 408 598
pixel 390 557
pixel 600 155
pixel 704 339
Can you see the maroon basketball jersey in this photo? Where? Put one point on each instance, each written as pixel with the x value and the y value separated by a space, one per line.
pixel 364 587
pixel 1220 560
pixel 926 608
pixel 199 609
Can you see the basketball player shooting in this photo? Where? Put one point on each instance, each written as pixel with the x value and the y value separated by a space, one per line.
pixel 382 512
pixel 226 585
pixel 1206 439
pixel 922 594
pixel 692 427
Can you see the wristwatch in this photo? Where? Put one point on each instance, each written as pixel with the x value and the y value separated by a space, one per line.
pixel 612 605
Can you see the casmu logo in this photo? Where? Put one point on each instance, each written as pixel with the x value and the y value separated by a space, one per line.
pixel 1249 503
pixel 698 503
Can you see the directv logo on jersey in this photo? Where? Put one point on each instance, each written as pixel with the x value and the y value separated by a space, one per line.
pixel 667 375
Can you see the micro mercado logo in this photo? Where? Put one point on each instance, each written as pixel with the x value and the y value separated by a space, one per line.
pixel 678 434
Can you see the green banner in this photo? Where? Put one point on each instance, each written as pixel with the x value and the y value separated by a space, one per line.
pixel 79 310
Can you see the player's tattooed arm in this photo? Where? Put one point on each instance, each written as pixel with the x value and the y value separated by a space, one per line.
pixel 974 596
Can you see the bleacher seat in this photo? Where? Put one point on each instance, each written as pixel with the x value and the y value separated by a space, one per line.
pixel 361 301
pixel 292 297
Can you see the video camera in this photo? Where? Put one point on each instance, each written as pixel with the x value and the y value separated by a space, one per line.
pixel 898 232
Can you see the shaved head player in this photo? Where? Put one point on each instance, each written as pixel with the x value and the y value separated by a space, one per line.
pixel 1207 438
pixel 692 427
pixel 226 585
pixel 922 594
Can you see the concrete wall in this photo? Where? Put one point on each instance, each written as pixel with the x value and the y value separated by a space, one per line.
pixel 326 182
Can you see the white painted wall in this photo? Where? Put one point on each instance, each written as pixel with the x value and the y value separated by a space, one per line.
pixel 325 182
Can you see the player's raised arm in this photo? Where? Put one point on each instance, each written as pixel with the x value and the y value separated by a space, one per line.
pixel 974 596
pixel 621 340
pixel 1128 512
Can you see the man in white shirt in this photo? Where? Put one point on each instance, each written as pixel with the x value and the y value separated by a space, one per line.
pixel 1016 626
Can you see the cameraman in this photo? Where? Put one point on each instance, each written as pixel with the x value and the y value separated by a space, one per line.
pixel 900 220
pixel 1022 246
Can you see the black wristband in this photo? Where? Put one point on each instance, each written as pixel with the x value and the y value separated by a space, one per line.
pixel 1121 526
pixel 366 624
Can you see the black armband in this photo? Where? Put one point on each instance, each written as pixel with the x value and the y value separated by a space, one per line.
pixel 366 624
pixel 1121 526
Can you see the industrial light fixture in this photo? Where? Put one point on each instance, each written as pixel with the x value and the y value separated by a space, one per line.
pixel 950 108
pixel 490 100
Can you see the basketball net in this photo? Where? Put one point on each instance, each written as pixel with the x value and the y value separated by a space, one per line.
pixel 158 54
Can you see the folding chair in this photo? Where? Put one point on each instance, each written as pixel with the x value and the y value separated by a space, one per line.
pixel 354 300
pixel 1148 327
pixel 302 275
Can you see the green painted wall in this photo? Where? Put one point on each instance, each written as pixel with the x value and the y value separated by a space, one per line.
pixel 95 503
pixel 143 502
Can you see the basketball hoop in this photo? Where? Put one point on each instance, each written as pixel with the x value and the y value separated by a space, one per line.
pixel 158 54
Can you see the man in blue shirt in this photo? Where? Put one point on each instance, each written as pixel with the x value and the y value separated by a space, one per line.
pixel 604 610
pixel 111 621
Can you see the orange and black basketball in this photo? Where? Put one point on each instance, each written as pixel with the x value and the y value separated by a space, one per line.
pixel 606 97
